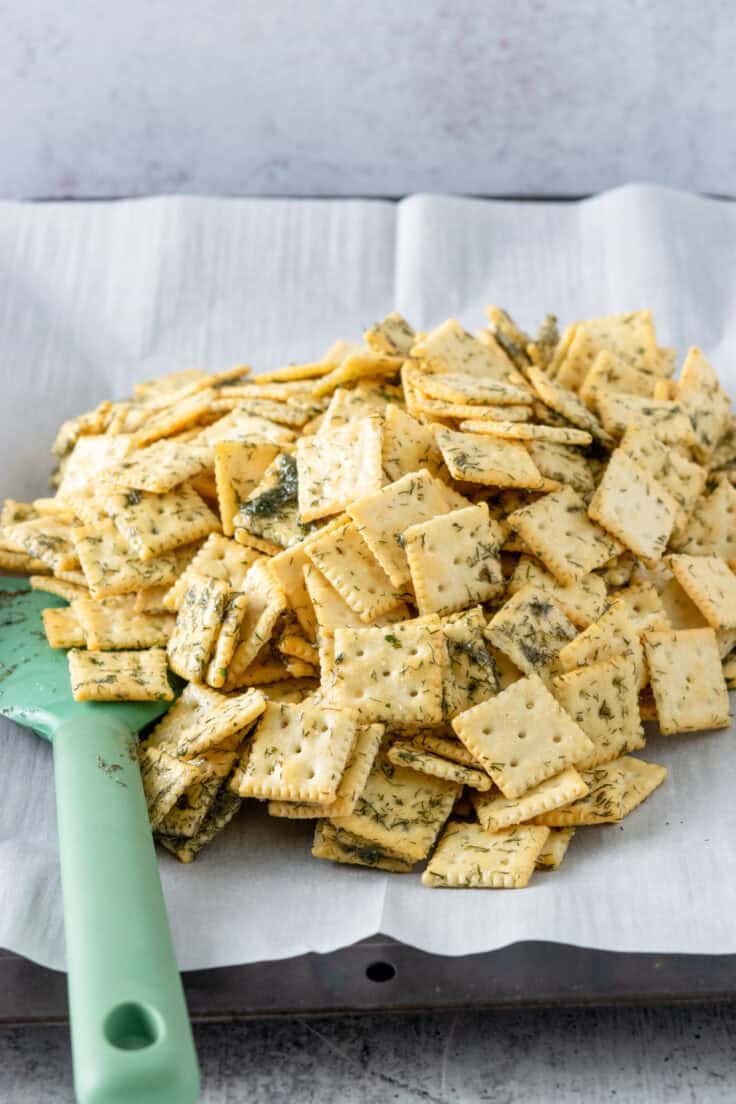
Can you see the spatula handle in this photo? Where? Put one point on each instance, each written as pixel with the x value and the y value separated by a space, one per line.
pixel 131 1039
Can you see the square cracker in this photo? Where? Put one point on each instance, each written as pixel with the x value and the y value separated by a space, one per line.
pixel 450 348
pixel 522 736
pixel 48 539
pixel 382 518
pixel 335 470
pixel 531 628
pixel 555 849
pixel 119 676
pixel 494 811
pixel 567 404
pixel 454 559
pixel 159 468
pixel 603 698
pixel 407 445
pixel 447 747
pixel 111 568
pixel 467 390
pixel 400 811
pixel 352 784
pixel 710 584
pixel 687 680
pixel 680 477
pixel 666 420
pixel 113 623
pixel 239 468
pixel 469 856
pixel 288 568
pixel 344 847
pixel 239 425
pixel 559 532
pixel 152 524
pixel 298 753
pixel 346 561
pixel 269 517
pixel 265 603
pixel 201 720
pixel 164 779
pixel 611 635
pixel 219 815
pixel 700 394
pixel 608 374
pixel 63 628
pixel 492 461
pixel 582 601
pixel 614 790
pixel 392 337
pixel 529 431
pixel 471 673
pixel 404 753
pixel 391 674
pixel 218 558
pixel 185 818
pixel 332 612
pixel 710 529
pixel 197 624
pixel 562 464
pixel 644 607
pixel 634 508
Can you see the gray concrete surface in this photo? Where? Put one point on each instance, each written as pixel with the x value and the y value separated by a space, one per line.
pixel 684 1055
pixel 333 97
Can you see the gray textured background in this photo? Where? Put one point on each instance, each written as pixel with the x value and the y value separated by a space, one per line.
pixel 333 97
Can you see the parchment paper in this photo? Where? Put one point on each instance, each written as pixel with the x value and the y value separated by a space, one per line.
pixel 95 296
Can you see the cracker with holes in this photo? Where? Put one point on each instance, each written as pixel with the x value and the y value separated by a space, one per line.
pixel 218 558
pixel 687 680
pixel 494 811
pixel 608 375
pixel 454 559
pixel 582 601
pixel 603 698
pixel 197 625
pixel 152 524
pixel 522 736
pixel 664 419
pixel 48 539
pixel 391 674
pixel 160 467
pixel 60 587
pixel 403 753
pixel 63 628
pixel 531 628
pixel 340 846
pixel 611 635
pixel 335 470
pixel 559 532
pixel 682 479
pixel 269 518
pixel 400 810
pixel 707 405
pixel 711 528
pixel 471 673
pixel 566 403
pixel 407 445
pixel 239 468
pixel 346 561
pixel 492 461
pixel 288 568
pixel 299 753
pixel 634 508
pixel 614 790
pixel 111 567
pixel 119 676
pixel 469 856
pixel 711 586
pixel 383 518
pixel 201 720
pixel 352 784
pixel 644 607
pixel 113 623
pixel 563 465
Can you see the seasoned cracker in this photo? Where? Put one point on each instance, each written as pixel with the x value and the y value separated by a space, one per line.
pixel 403 753
pixel 454 559
pixel 119 676
pixel 491 461
pixel 265 603
pixel 529 431
pixel 710 584
pixel 335 470
pixel 165 779
pixel 634 508
pixel 449 348
pixel 563 465
pixel 666 420
pixel 43 538
pixel 352 784
pixel 158 468
pixel 344 847
pixel 471 673
pixel 566 403
pixel 559 532
pixel 110 567
pixel 531 628
pixel 614 790
pixel 218 558
pixel 185 818
pixel 153 524
pixel 400 811
pixel 707 405
pixel 239 468
pixel 522 736
pixel 60 587
pixel 687 680
pixel 446 748
pixel 582 602
pixel 555 849
pixel 469 856
pixel 202 720
pixel 610 375
pixel 63 628
pixel 222 811
pixel 197 625
pixel 346 561
pixel 456 387
pixel 407 445
pixel 611 635
pixel 603 699
pixel 494 811
pixel 391 337
pixel 112 624
pixel 710 529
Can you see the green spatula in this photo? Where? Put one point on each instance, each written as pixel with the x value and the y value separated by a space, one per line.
pixel 131 1038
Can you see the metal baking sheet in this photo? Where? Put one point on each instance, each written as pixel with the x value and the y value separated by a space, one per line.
pixel 381 975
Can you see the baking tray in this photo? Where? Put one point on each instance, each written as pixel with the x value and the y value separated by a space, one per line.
pixel 382 975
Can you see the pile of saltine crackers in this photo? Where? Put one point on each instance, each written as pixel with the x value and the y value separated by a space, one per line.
pixel 424 590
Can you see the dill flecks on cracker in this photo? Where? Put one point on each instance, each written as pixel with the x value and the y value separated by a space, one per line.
pixel 424 588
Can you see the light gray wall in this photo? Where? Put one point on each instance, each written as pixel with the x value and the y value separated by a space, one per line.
pixel 371 97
